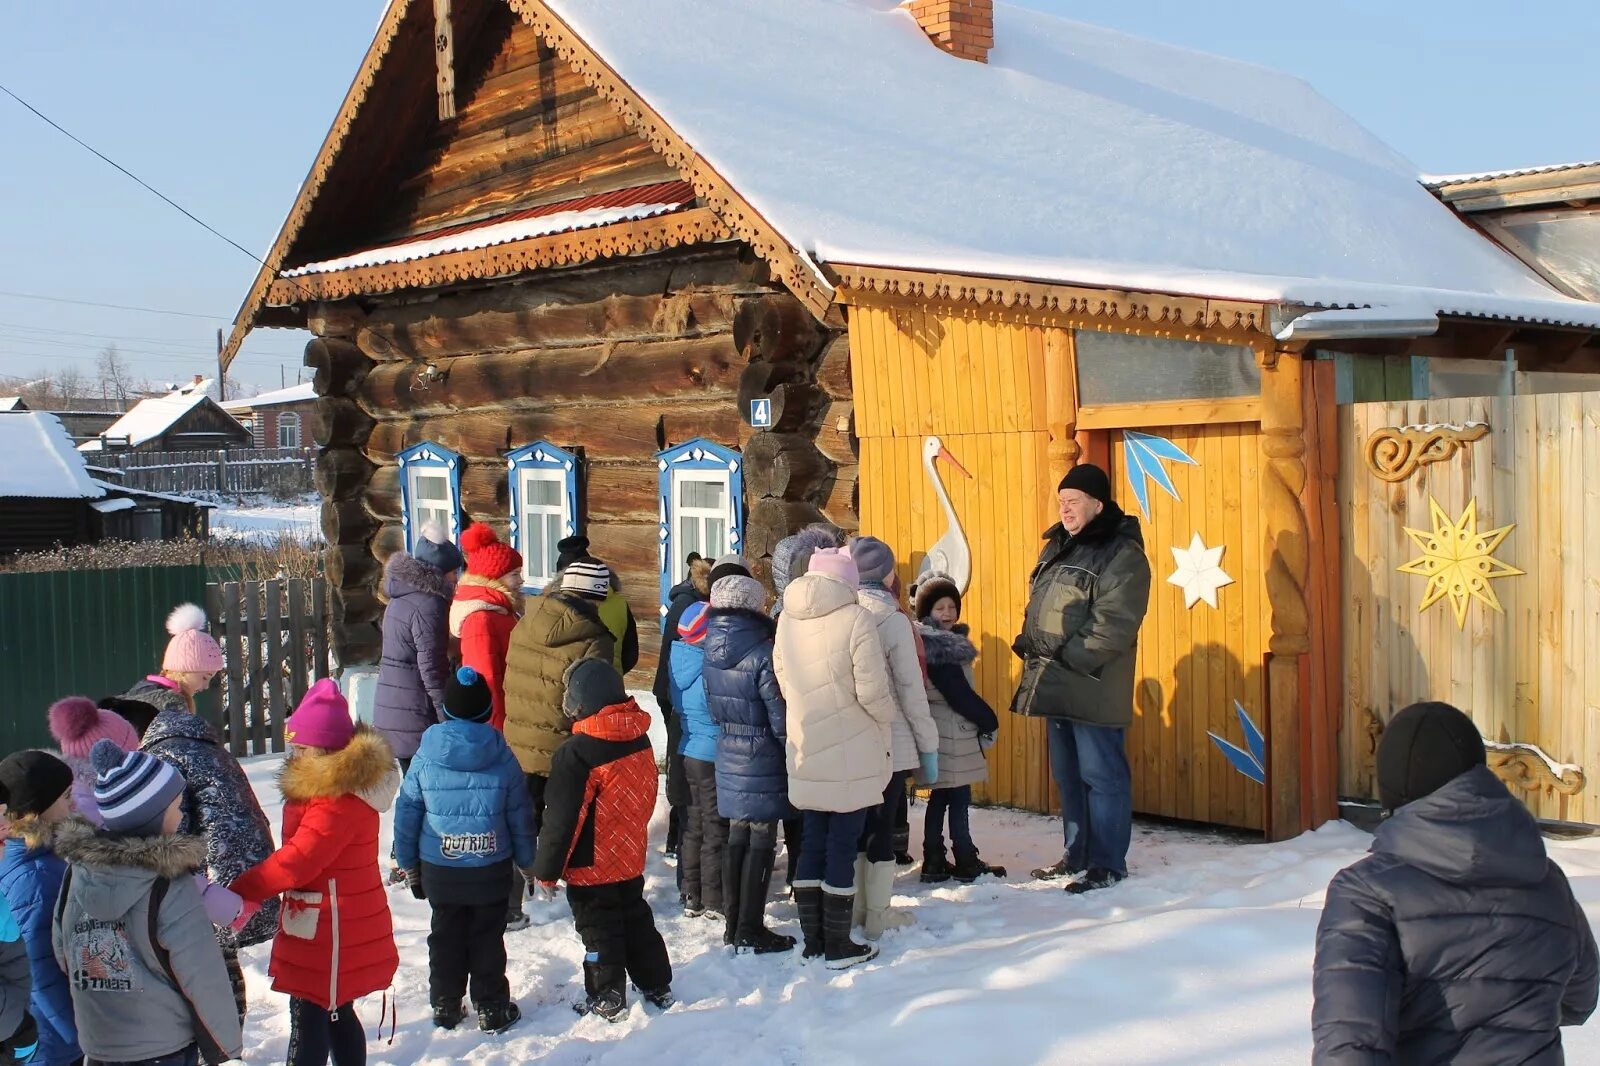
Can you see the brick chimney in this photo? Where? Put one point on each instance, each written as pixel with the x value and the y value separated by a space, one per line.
pixel 964 28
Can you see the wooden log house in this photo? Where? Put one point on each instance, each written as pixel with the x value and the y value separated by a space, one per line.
pixel 558 255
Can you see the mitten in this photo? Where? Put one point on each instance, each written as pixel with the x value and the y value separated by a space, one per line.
pixel 414 882
pixel 930 767
pixel 247 910
pixel 222 905
pixel 545 891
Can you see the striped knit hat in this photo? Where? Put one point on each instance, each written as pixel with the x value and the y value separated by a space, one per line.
pixel 133 790
pixel 587 578
pixel 692 625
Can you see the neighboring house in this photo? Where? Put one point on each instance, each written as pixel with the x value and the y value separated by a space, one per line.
pixel 48 496
pixel 9 404
pixel 726 268
pixel 187 420
pixel 278 419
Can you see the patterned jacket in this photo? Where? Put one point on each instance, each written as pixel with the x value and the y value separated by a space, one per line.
pixel 598 803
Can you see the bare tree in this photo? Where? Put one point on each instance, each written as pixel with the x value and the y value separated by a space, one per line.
pixel 71 383
pixel 116 377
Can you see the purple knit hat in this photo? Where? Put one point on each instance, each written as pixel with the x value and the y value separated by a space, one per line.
pixel 76 723
pixel 322 720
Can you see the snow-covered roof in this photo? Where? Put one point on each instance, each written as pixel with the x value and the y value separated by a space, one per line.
pixel 12 403
pixel 40 460
pixel 293 394
pixel 148 419
pixel 113 506
pixel 123 490
pixel 1077 155
pixel 1442 181
pixel 625 205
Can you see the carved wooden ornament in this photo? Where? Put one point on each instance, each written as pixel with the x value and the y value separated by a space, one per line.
pixel 1458 560
pixel 1394 454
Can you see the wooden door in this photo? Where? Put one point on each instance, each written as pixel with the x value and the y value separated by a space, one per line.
pixel 1195 661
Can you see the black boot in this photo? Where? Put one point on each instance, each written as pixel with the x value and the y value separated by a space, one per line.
pixel 935 867
pixel 661 998
pixel 448 1015
pixel 902 846
pixel 497 1017
pixel 808 901
pixel 1096 879
pixel 750 890
pixel 674 832
pixel 733 861
pixel 1057 870
pixel 842 950
pixel 969 867
pixel 605 986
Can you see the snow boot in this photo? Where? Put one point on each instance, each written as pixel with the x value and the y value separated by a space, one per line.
pixel 448 1015
pixel 935 867
pixel 692 907
pixel 517 920
pixel 858 914
pixel 1056 871
pixel 1096 879
pixel 969 868
pixel 842 950
pixel 902 846
pixel 605 989
pixel 733 863
pixel 661 998
pixel 808 901
pixel 498 1017
pixel 751 935
pixel 878 890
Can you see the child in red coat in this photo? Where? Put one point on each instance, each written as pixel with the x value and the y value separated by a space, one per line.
pixel 487 605
pixel 335 940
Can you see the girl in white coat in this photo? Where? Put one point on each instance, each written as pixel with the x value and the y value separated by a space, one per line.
pixel 840 705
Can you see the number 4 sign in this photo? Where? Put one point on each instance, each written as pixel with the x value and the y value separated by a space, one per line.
pixel 761 413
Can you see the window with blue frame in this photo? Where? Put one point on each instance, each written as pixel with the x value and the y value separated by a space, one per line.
pixel 430 490
pixel 544 507
pixel 701 494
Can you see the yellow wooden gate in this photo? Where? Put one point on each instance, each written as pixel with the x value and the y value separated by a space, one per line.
pixel 1195 661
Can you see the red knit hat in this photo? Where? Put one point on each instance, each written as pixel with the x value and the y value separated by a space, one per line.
pixel 486 556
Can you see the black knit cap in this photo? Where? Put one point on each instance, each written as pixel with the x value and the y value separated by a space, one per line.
pixel 570 549
pixel 1423 748
pixel 467 696
pixel 33 781
pixel 1089 480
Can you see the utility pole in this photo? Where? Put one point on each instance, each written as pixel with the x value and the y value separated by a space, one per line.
pixel 222 374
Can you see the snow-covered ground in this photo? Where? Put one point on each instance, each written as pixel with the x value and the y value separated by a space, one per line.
pixel 251 518
pixel 1202 958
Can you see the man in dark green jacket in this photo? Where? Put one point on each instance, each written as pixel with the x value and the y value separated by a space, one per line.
pixel 1088 597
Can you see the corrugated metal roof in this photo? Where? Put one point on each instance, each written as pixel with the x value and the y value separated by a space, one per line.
pixel 148 419
pixel 1441 181
pixel 40 460
pixel 294 394
pixel 584 212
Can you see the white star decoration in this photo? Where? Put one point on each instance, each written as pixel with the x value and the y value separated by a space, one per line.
pixel 1199 572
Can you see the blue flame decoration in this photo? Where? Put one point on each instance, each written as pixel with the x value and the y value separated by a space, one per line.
pixel 1251 763
pixel 1143 454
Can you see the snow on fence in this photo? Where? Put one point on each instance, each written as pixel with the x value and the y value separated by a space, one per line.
pixel 274 637
pixel 277 471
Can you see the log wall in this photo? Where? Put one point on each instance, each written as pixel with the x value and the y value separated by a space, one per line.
pixel 614 363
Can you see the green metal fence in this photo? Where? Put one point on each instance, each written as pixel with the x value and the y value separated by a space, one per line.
pixel 83 632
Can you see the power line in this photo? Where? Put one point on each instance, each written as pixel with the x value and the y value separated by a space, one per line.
pixel 114 307
pixel 111 340
pixel 151 188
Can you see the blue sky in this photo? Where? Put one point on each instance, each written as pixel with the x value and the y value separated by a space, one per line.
pixel 222 105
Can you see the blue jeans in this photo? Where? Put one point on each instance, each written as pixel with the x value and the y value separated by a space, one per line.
pixel 958 801
pixel 1090 765
pixel 828 847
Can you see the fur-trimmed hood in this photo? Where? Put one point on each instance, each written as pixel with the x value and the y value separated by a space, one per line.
pixel 171 855
pixel 474 594
pixel 365 767
pixel 31 830
pixel 947 646
pixel 403 575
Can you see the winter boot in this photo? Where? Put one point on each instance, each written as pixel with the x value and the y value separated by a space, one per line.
pixel 605 989
pixel 842 950
pixel 733 863
pixel 692 907
pixel 858 913
pixel 750 890
pixel 878 890
pixel 497 1017
pixel 661 998
pixel 808 901
pixel 902 846
pixel 448 1015
pixel 517 920
pixel 674 834
pixel 969 868
pixel 1057 870
pixel 1096 879
pixel 935 867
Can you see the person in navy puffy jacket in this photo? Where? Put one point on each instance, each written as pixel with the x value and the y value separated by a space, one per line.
pixel 463 820
pixel 39 786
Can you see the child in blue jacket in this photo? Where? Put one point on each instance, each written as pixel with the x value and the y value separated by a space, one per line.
pixel 39 787
pixel 705 832
pixel 462 821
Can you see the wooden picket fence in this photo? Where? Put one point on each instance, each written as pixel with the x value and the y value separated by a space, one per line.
pixel 274 637
pixel 274 471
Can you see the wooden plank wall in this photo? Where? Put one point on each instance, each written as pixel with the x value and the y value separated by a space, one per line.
pixel 1195 662
pixel 976 381
pixel 1529 675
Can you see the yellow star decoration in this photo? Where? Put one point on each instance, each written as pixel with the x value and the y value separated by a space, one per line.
pixel 1458 561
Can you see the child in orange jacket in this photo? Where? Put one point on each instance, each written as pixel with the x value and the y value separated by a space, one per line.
pixel 598 803
pixel 335 940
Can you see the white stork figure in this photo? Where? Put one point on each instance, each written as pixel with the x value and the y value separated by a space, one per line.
pixel 950 554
